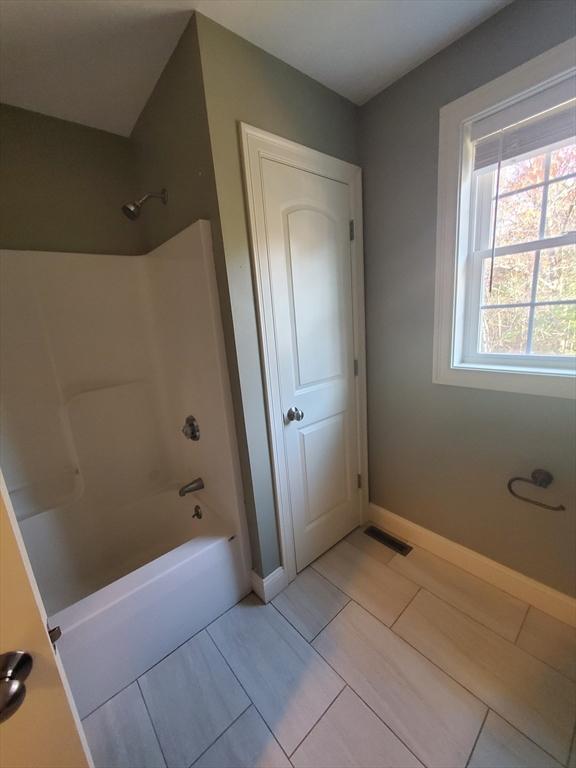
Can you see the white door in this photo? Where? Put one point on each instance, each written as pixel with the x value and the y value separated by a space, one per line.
pixel 44 732
pixel 306 217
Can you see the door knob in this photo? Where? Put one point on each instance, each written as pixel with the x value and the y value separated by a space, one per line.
pixel 294 414
pixel 15 667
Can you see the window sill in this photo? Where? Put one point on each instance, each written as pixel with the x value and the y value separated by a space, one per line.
pixel 520 380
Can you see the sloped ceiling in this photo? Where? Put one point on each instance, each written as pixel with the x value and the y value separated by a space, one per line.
pixel 96 62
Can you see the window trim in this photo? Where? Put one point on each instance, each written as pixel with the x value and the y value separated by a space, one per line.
pixel 452 237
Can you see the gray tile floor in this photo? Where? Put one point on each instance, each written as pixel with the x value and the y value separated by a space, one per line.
pixel 367 660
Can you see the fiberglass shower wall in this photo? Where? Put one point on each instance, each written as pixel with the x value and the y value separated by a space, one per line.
pixel 103 357
pixel 81 423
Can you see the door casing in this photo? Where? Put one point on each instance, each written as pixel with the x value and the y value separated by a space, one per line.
pixel 258 145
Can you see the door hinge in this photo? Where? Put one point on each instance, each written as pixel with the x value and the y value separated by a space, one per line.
pixel 359 481
pixel 54 634
pixel 351 229
pixel 355 367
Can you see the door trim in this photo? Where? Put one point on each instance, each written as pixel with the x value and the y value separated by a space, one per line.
pixel 258 145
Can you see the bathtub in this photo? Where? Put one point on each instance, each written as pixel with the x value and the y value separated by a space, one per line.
pixel 106 357
pixel 115 634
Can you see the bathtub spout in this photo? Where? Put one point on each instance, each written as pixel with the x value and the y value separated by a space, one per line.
pixel 195 485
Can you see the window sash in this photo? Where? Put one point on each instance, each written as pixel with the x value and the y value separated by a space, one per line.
pixel 471 339
pixel 523 304
pixel 569 238
pixel 481 210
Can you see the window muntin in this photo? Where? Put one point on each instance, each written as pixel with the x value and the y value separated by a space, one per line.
pixel 528 318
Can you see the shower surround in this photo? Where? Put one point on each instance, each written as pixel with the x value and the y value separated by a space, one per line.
pixel 104 358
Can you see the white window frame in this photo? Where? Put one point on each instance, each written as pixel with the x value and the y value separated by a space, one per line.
pixel 453 363
pixel 479 250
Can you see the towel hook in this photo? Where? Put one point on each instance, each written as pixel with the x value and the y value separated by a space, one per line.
pixel 541 478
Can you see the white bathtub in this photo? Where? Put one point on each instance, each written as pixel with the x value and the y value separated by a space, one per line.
pixel 94 452
pixel 112 636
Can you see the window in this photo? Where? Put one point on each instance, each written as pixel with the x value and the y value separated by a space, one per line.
pixel 506 261
pixel 522 263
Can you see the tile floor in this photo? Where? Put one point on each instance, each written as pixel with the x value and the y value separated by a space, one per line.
pixel 367 659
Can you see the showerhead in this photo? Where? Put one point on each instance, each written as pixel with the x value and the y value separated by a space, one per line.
pixel 133 208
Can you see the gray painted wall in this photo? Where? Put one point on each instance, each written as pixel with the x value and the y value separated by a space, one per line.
pixel 174 150
pixel 172 146
pixel 243 83
pixel 75 178
pixel 63 185
pixel 441 455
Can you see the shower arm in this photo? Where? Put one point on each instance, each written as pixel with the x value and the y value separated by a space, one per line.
pixel 162 195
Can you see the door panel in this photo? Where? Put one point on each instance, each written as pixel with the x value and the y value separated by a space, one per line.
pixel 307 225
pixel 316 288
pixel 44 732
pixel 324 467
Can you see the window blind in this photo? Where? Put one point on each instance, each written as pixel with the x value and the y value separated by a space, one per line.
pixel 544 118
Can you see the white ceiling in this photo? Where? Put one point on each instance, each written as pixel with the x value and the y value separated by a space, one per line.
pixel 96 61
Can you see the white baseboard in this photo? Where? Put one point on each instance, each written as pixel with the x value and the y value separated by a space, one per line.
pixel 552 602
pixel 273 584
